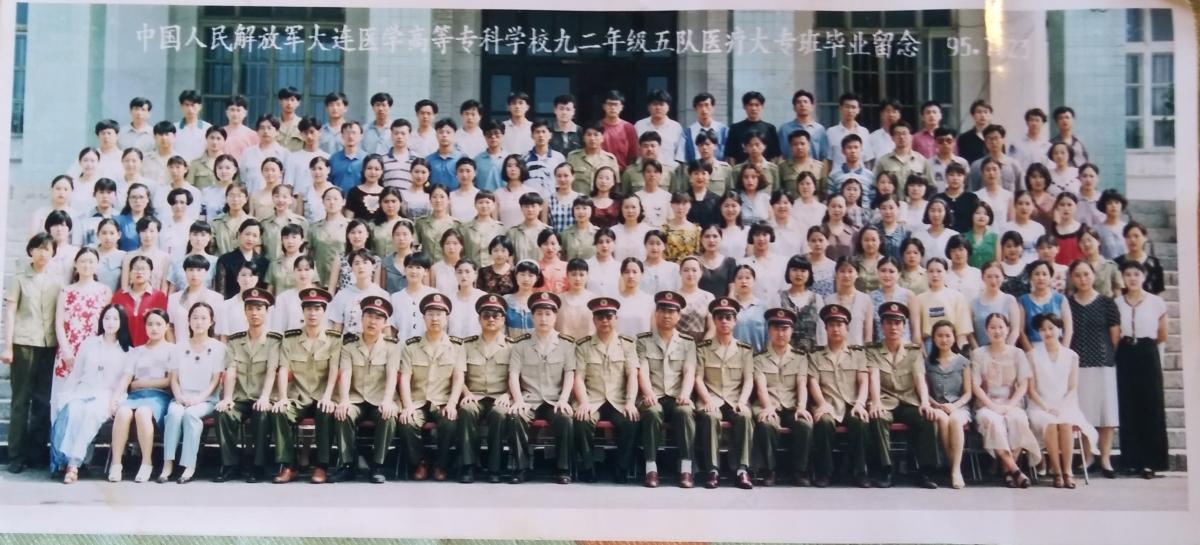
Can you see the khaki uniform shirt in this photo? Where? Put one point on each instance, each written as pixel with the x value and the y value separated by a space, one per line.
pixel 915 163
pixel 770 172
pixel 898 373
pixel 838 380
pixel 200 171
pixel 429 234
pixel 789 171
pixel 432 366
pixel 726 369
pixel 780 373
pixel 289 134
pixel 579 242
pixel 720 181
pixel 542 367
pixel 254 362
pixel 272 228
pixel 524 239
pixel 476 237
pixel 605 366
pixel 35 297
pixel 487 366
pixel 667 363
pixel 308 360
pixel 586 167
pixel 369 368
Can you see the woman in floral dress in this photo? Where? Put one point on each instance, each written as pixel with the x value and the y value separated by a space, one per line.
pixel 78 314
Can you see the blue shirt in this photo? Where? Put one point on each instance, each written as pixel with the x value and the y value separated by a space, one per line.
pixel 346 172
pixel 689 139
pixel 865 177
pixel 487 172
pixel 442 169
pixel 819 149
pixel 129 240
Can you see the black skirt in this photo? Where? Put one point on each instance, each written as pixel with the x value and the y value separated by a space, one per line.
pixel 1141 406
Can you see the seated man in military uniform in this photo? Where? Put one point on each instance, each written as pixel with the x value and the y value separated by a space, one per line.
pixel 369 365
pixel 668 378
pixel 899 393
pixel 487 394
pixel 308 367
pixel 431 381
pixel 606 387
pixel 781 383
pixel 250 359
pixel 838 384
pixel 723 393
pixel 542 368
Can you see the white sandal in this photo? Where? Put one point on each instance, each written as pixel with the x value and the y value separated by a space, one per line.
pixel 114 473
pixel 143 473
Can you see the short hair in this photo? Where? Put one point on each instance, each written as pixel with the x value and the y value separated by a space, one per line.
pixel 900 124
pixel 915 243
pixel 994 128
pixel 531 198
pixel 58 217
pixel 529 266
pixel 502 241
pixel 350 124
pixel 1048 239
pixel 1132 264
pixel 753 95
pixel 562 99
pixel 400 123
pixel 40 240
pixel 519 95
pixel 980 103
pixel 944 131
pixel 847 97
pixel 196 262
pixel 382 97
pixel 704 97
pixel 363 254
pixel 288 92
pixel 650 136
pixel 799 133
pixel 760 228
pixel 520 164
pixel 539 124
pixel 654 233
pixel 104 185
pixel 706 136
pixel 803 93
pixel 1111 195
pixel 423 103
pixel 445 122
pixel 309 123
pixel 1035 112
pixel 176 160
pixel 268 118
pixel 947 220
pixel 849 139
pixel 107 125
pixel 545 235
pixel 930 104
pixel 1041 319
pixel 697 166
pixel 658 95
pixel 957 242
pixel 1012 237
pixel 577 264
pixel 216 130
pixel 584 201
pixel 1050 154
pixel 1061 110
pixel 181 191
pixel 603 232
pixel 238 101
pixel 597 127
pixel 190 95
pixel 140 102
pixel 956 168
pixel 986 208
pixel 1094 168
pixel 649 164
pixel 335 97
pixel 464 161
pixel 890 103
pixel 614 95
pixel 164 127
pixel 799 262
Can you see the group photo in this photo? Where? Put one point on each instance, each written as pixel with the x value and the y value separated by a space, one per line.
pixel 737 249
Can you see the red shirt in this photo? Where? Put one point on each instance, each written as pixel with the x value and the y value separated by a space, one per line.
pixel 621 139
pixel 136 311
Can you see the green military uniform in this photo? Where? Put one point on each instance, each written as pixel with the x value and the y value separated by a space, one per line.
pixel 789 173
pixel 769 170
pixel 719 182
pixel 200 171
pixel 605 368
pixel 524 239
pixel 225 233
pixel 253 362
pixel 312 364
pixel 585 168
pixel 429 234
pixel 430 368
pixel 272 227
pixel 486 377
pixel 837 374
pixel 327 238
pixel 579 242
pixel 725 370
pixel 898 375
pixel 668 363
pixel 289 135
pixel 33 296
pixel 632 179
pixel 477 236
pixel 369 368
pixel 542 369
pixel 784 374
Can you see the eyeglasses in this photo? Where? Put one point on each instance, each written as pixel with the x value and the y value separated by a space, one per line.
pixel 605 316
pixel 490 315
pixel 724 316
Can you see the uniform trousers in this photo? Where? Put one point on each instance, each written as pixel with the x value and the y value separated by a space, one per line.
pixel 585 437
pixel 823 436
pixel 709 437
pixel 498 422
pixel 385 431
pixel 922 435
pixel 683 425
pixel 445 430
pixel 285 434
pixel 186 423
pixel 29 420
pixel 767 441
pixel 229 430
pixel 561 428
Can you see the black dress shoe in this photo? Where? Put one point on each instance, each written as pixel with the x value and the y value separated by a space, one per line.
pixel 925 481
pixel 343 474
pixel 227 473
pixel 16 467
pixel 255 475
pixel 493 477
pixel 885 479
pixel 1108 473
pixel 518 477
pixel 588 476
pixel 377 476
pixel 821 481
pixel 861 481
pixel 467 476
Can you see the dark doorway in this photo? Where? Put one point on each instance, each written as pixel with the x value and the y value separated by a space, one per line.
pixel 586 73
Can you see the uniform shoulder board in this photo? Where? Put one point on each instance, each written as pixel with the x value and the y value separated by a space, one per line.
pixel 745 345
pixel 819 350
pixel 580 341
pixel 472 338
pixel 856 347
pixel 799 351
pixel 912 346
pixel 331 332
pixel 704 343
pixel 237 335
pixel 520 338
pixel 274 335
pixel 392 340
pixel 759 353
pixel 455 340
pixel 626 338
pixel 645 335
pixel 564 337
pixel 687 337
pixel 293 333
pixel 873 346
pixel 349 337
pixel 412 340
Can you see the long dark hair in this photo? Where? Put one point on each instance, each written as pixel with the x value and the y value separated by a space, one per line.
pixel 123 337
pixel 935 352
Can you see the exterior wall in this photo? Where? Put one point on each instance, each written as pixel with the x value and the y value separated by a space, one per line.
pixel 1017 83
pixel 698 73
pixel 404 76
pixel 975 77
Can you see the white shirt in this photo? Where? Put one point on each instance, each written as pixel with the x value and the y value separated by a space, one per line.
pixel 443 277
pixel 288 314
pixel 296 171
pixel 635 313
pixel 517 139
pixel 969 282
pixel 1028 152
pixel 734 241
pixel 421 145
pixel 470 144
pixel 790 240
pixel 179 314
pixel 1000 201
pixel 508 205
pixel 189 140
pixel 162 210
pixel 881 143
pixel 195 369
pixel 630 242
pixel 344 309
pixel 657 206
pixel 1142 320
pixel 807 214
pixel 250 165
pixel 464 321
pixel 462 203
pixel 671 150
pixel 661 277
pixel 769 271
pixel 173 238
pixel 836 133
pixel 603 278
pixel 406 314
pixel 934 247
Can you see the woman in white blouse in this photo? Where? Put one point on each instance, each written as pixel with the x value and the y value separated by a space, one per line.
pixel 631 230
pixel 1139 375
pixel 148 384
pixel 637 306
pixel 195 370
pixel 660 274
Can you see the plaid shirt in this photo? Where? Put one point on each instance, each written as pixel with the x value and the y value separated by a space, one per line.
pixel 560 211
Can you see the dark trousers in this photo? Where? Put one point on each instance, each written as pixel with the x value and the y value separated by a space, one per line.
pixel 683 425
pixel 385 430
pixel 445 429
pixel 1141 405
pixel 561 428
pixel 285 439
pixel 709 437
pixel 229 430
pixel 922 435
pixel 498 422
pixel 29 422
pixel 767 440
pixel 823 436
pixel 585 437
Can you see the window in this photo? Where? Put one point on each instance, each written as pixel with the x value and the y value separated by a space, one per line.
pixel 1149 79
pixel 258 73
pixel 20 46
pixel 911 80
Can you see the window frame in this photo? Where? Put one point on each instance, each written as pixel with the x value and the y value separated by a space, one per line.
pixel 20 52
pixel 1146 50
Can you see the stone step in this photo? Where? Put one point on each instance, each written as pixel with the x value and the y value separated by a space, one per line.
pixel 1162 235
pixel 1173 326
pixel 1177 438
pixel 1174 344
pixel 1172 277
pixel 1171 294
pixel 1155 221
pixel 1172 380
pixel 1172 362
pixel 1150 207
pixel 1169 263
pixel 1173 310
pixel 1175 418
pixel 1173 399
pixel 1165 250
